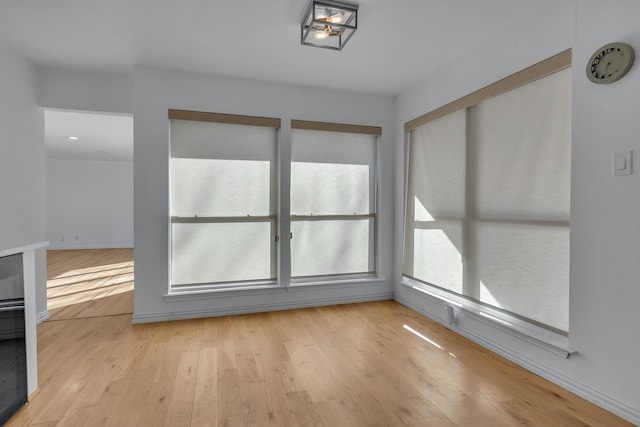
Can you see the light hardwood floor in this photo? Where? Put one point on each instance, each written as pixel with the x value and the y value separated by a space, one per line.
pixel 89 283
pixel 348 365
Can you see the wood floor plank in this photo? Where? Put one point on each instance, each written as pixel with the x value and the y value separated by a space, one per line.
pixel 228 403
pixel 333 414
pixel 181 399
pixel 89 283
pixel 367 364
pixel 206 388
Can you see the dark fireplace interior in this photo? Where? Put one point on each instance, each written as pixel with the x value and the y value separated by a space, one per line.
pixel 13 360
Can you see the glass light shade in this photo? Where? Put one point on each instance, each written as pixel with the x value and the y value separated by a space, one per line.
pixel 329 24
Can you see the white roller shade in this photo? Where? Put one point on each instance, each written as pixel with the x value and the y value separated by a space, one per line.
pixel 488 196
pixel 523 151
pixel 223 203
pixel 221 252
pixel 437 168
pixel 333 174
pixel 331 247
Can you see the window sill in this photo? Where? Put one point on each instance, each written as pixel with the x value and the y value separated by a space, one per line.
pixel 551 341
pixel 335 282
pixel 191 294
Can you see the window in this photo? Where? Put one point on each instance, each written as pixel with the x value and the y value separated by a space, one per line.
pixel 333 199
pixel 488 195
pixel 223 200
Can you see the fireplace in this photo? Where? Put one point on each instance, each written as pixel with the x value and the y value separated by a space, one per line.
pixel 13 359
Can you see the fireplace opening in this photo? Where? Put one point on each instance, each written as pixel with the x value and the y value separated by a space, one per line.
pixel 13 355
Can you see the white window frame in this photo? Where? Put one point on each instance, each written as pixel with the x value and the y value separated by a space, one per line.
pixel 282 220
pixel 455 304
pixel 353 278
pixel 199 288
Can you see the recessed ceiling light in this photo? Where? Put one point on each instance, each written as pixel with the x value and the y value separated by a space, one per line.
pixel 73 138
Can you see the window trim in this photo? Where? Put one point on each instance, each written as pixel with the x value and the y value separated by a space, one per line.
pixel 232 119
pixel 524 326
pixel 238 284
pixel 335 127
pixel 282 281
pixel 226 286
pixel 530 74
pixel 552 341
pixel 359 277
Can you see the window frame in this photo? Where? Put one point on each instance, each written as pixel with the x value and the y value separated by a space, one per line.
pixel 376 131
pixel 282 220
pixel 456 302
pixel 273 219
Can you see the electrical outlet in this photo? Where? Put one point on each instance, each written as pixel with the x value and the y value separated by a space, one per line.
pixel 62 238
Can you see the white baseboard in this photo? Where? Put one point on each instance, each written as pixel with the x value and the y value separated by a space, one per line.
pixel 612 405
pixel 258 308
pixel 41 317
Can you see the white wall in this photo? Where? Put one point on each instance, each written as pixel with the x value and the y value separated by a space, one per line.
pixel 605 236
pixel 155 91
pixel 21 155
pixel 89 204
pixel 605 210
pixel 74 89
pixel 22 186
pixel 84 90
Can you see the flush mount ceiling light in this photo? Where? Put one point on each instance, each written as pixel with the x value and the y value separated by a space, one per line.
pixel 329 24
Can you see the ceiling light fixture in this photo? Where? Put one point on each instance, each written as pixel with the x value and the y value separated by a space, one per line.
pixel 329 24
pixel 73 138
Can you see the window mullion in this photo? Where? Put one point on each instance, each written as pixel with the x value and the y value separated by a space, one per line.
pixel 470 280
pixel 284 204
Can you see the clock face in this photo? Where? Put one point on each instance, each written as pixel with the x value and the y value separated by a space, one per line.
pixel 609 63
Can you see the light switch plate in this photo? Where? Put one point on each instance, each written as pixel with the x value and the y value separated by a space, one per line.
pixel 622 163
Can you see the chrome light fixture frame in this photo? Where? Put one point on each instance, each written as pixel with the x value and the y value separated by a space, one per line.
pixel 311 23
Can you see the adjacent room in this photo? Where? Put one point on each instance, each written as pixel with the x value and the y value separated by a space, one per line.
pixel 319 212
pixel 89 213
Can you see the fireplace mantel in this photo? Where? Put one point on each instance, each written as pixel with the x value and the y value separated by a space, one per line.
pixel 23 249
pixel 30 315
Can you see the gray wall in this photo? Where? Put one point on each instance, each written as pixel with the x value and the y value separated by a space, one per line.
pixel 22 189
pixel 73 89
pixel 605 236
pixel 22 210
pixel 21 155
pixel 155 91
pixel 89 204
pixel 84 90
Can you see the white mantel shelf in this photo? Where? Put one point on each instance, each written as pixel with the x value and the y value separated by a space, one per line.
pixel 22 249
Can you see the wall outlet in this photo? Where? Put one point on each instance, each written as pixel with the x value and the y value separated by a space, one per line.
pixel 76 238
pixel 62 238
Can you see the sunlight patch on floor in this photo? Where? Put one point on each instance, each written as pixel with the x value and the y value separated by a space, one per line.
pixel 88 284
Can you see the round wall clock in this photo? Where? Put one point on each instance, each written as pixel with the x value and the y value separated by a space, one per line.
pixel 610 63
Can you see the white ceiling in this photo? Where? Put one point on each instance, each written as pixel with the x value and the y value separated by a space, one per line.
pixel 397 44
pixel 107 137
